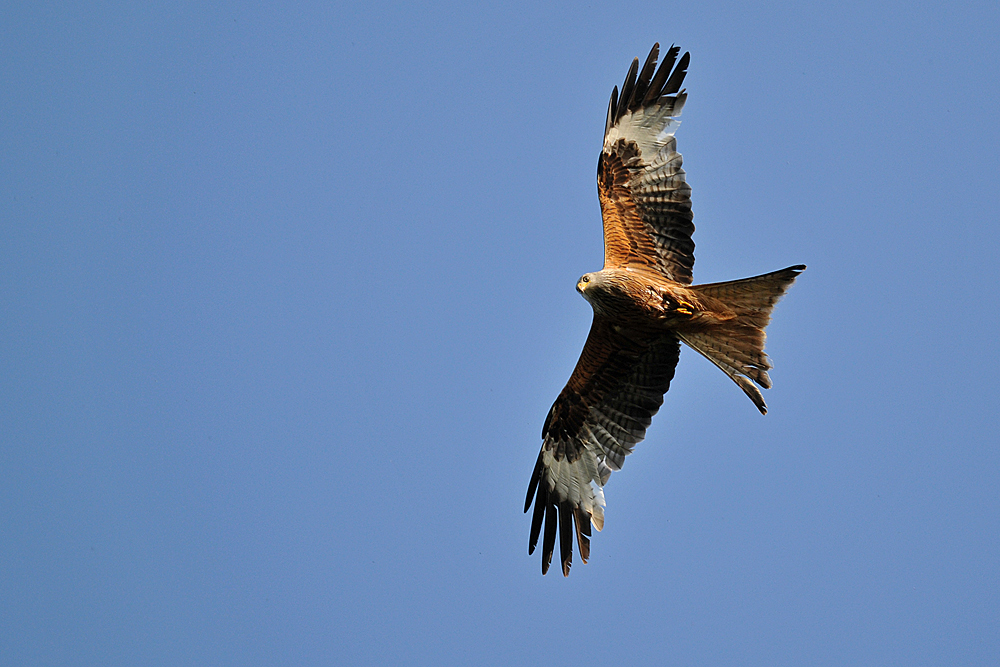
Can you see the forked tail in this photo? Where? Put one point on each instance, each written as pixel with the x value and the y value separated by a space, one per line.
pixel 737 346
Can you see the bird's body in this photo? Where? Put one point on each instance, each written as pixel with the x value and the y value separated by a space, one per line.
pixel 644 307
pixel 643 299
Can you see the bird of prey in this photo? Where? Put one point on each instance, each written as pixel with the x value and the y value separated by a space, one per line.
pixel 644 307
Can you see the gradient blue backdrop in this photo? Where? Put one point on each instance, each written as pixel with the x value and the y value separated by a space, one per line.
pixel 286 293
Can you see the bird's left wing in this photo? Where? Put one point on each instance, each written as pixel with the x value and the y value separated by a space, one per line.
pixel 604 410
pixel 645 199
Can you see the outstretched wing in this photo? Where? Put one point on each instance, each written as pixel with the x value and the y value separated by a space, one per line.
pixel 600 415
pixel 645 201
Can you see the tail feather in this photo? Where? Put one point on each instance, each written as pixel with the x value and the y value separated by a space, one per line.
pixel 737 346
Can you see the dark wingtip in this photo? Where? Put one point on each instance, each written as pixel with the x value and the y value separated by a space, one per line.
pixel 549 538
pixel 533 484
pixel 557 518
pixel 628 87
pixel 536 519
pixel 644 78
pixel 612 110
pixel 677 77
pixel 582 522
pixel 566 537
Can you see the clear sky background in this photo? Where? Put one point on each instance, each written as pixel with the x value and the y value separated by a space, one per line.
pixel 286 293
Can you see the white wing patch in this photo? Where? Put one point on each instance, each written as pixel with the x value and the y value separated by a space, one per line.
pixel 578 482
pixel 649 127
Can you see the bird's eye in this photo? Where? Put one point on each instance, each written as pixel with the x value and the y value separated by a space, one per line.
pixel 586 279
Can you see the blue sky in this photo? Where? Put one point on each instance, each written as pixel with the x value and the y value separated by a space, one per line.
pixel 286 293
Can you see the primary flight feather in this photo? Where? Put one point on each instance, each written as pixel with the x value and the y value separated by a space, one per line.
pixel 644 308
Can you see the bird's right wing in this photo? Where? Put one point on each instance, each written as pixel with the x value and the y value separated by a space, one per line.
pixel 645 199
pixel 600 415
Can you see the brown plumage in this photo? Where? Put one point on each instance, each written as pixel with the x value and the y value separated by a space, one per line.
pixel 644 307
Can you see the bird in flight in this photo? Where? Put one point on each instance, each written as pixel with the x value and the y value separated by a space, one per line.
pixel 644 308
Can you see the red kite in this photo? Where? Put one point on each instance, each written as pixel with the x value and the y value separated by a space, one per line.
pixel 644 308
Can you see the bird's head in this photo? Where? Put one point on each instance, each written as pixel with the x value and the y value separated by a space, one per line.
pixel 606 290
pixel 591 286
